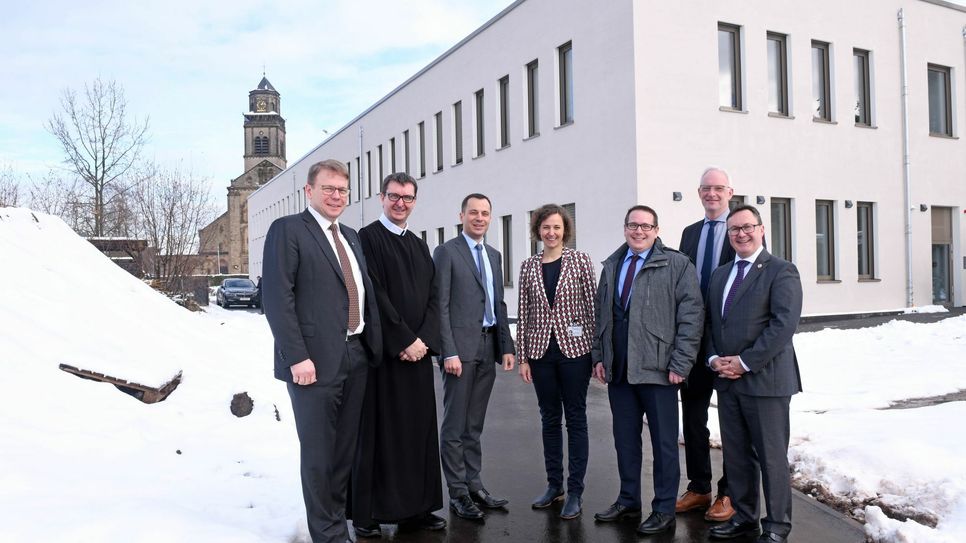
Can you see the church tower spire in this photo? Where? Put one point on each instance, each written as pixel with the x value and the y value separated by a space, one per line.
pixel 264 128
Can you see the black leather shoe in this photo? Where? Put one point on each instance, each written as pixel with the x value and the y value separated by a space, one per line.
pixel 571 507
pixel 617 512
pixel 772 537
pixel 733 529
pixel 485 499
pixel 656 523
pixel 551 495
pixel 367 531
pixel 464 507
pixel 428 521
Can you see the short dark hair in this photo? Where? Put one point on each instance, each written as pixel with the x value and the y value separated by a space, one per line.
pixel 640 208
pixel 402 178
pixel 544 212
pixel 746 207
pixel 329 165
pixel 474 196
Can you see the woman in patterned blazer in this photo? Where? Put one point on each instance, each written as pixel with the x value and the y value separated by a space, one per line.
pixel 555 330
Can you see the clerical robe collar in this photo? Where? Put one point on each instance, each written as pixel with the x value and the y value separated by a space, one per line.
pixel 392 226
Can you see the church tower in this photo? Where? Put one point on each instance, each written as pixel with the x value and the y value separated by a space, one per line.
pixel 264 129
pixel 224 242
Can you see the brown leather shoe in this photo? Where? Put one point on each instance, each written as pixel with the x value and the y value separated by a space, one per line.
pixel 689 501
pixel 720 510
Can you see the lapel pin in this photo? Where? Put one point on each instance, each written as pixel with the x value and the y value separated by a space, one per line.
pixel 759 266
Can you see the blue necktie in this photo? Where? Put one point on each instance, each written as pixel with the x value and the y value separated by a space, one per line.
pixel 487 310
pixel 706 265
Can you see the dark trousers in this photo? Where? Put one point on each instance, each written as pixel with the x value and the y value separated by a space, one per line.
pixel 465 399
pixel 327 421
pixel 628 404
pixel 561 387
pixel 754 434
pixel 695 401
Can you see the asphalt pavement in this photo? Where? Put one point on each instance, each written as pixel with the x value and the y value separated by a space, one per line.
pixel 513 468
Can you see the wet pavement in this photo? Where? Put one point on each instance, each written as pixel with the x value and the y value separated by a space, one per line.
pixel 513 468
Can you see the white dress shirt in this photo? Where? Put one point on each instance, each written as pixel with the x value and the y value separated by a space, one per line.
pixel 356 270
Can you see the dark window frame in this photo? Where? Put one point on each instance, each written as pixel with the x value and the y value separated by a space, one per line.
pixel 947 105
pixel 566 83
pixel 782 68
pixel 824 96
pixel 533 98
pixel 504 86
pixel 863 87
pixel 829 232
pixel 736 100
pixel 865 241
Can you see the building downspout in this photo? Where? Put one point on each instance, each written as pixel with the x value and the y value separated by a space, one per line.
pixel 906 160
pixel 362 165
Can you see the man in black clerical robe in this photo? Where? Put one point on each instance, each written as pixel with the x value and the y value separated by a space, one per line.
pixel 396 474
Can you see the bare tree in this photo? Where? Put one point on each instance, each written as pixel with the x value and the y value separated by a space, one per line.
pixel 171 206
pixel 55 194
pixel 9 188
pixel 100 143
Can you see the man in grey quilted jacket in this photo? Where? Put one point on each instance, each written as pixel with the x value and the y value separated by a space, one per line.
pixel 650 317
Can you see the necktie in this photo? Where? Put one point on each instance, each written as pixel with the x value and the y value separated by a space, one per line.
pixel 739 277
pixel 350 283
pixel 629 280
pixel 487 310
pixel 706 265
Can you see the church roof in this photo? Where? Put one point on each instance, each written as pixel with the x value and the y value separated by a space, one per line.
pixel 265 85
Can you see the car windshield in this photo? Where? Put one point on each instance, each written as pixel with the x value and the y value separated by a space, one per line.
pixel 239 283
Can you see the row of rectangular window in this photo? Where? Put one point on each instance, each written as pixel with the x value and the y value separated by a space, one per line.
pixel 566 116
pixel 731 94
pixel 825 268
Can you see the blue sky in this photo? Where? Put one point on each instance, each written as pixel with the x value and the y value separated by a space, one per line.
pixel 189 67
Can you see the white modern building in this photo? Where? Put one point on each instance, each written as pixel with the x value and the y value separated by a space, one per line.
pixel 841 121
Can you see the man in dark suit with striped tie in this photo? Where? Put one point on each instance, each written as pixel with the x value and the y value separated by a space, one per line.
pixel 753 309
pixel 322 310
pixel 706 244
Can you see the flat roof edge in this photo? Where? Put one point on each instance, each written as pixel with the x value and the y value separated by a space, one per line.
pixel 401 86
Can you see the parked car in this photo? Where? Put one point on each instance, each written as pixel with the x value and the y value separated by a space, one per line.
pixel 234 291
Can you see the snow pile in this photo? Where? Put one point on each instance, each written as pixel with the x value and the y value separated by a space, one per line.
pixel 886 464
pixel 85 462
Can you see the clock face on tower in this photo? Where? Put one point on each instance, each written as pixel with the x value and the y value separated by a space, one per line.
pixel 260 106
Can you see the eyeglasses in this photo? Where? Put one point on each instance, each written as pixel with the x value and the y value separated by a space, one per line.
pixel 709 188
pixel 644 227
pixel 744 228
pixel 329 190
pixel 393 197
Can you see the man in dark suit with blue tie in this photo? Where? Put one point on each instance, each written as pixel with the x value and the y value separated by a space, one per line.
pixel 475 333
pixel 754 306
pixel 322 310
pixel 706 244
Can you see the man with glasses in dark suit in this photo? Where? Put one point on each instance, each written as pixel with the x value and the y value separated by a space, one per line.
pixel 706 244
pixel 754 305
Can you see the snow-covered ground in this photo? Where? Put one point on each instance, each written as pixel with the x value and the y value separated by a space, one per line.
pixel 80 461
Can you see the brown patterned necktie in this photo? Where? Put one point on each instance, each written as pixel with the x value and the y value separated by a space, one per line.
pixel 350 283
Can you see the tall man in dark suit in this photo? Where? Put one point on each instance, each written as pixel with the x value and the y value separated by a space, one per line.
pixel 320 306
pixel 706 244
pixel 475 334
pixel 754 306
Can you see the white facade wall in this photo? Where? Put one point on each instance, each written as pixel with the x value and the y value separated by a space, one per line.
pixel 681 130
pixel 647 122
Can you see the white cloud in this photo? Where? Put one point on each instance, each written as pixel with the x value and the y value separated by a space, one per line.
pixel 189 66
